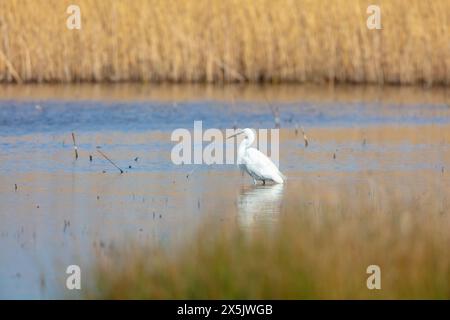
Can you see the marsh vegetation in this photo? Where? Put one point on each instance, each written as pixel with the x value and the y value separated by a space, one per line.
pixel 225 41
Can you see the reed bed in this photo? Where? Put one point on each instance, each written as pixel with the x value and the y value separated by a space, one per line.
pixel 225 41
pixel 320 248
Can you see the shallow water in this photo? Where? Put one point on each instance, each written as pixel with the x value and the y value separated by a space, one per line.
pixel 68 211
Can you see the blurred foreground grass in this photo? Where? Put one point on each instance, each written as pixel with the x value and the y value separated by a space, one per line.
pixel 320 248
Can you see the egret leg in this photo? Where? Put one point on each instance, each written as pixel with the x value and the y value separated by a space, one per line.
pixel 264 182
pixel 254 181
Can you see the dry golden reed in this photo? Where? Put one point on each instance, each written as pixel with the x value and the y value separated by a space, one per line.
pixel 225 41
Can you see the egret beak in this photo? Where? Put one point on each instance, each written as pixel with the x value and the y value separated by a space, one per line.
pixel 237 133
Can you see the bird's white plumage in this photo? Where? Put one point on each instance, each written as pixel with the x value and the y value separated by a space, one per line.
pixel 256 163
pixel 260 167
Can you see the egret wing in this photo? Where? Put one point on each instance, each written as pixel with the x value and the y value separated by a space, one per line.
pixel 261 165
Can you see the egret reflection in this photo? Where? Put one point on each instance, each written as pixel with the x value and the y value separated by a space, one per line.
pixel 259 204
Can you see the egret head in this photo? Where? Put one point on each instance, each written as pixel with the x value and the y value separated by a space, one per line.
pixel 248 134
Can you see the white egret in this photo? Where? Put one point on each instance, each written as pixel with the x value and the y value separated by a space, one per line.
pixel 254 162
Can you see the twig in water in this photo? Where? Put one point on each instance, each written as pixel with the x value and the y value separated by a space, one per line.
pixel 276 117
pixel 275 112
pixel 277 121
pixel 75 148
pixel 305 138
pixel 190 172
pixel 104 155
